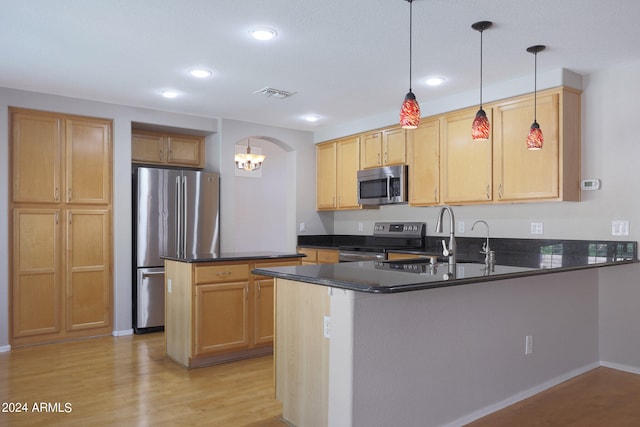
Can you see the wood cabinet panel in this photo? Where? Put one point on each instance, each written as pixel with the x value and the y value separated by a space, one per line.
pixel 424 164
pixel 36 146
pixel 394 147
pixel 221 273
pixel 61 220
pixel 264 307
pixel 88 269
pixel 88 162
pixel 36 276
pixel 371 155
pixel 149 147
pixel 326 176
pixel 327 256
pixel 467 165
pixel 348 163
pixel 221 317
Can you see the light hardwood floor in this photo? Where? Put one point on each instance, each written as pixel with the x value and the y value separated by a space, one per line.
pixel 127 381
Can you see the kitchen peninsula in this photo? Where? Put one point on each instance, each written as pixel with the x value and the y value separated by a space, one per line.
pixel 216 310
pixel 406 343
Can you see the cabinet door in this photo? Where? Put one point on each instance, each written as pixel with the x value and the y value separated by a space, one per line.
pixel 88 155
pixel 147 148
pixel 467 166
pixel 424 164
pixel 36 142
pixel 394 146
pixel 264 306
pixel 326 176
pixel 348 163
pixel 221 317
pixel 185 150
pixel 88 269
pixel 371 150
pixel 521 174
pixel 36 279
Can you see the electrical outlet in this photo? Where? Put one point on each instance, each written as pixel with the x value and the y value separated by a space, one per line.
pixel 169 286
pixel 461 227
pixel 536 228
pixel 620 228
pixel 360 226
pixel 326 324
pixel 302 226
pixel 528 344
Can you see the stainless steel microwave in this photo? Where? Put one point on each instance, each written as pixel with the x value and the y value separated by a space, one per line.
pixel 382 186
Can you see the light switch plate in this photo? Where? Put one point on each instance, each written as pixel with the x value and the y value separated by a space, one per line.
pixel 537 228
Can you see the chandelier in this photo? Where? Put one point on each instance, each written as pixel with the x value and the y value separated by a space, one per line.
pixel 248 161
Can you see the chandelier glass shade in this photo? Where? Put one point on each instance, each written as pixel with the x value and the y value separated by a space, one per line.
pixel 249 161
pixel 481 128
pixel 410 110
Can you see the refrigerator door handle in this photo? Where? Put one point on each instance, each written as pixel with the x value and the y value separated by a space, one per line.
pixel 157 273
pixel 178 220
pixel 184 216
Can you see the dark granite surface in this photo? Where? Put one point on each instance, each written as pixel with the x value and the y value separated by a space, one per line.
pixel 233 256
pixel 514 258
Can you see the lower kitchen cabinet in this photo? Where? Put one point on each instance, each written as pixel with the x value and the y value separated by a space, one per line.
pixel 218 311
pixel 319 256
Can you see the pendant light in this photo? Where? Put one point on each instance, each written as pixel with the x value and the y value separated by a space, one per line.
pixel 480 129
pixel 248 161
pixel 410 111
pixel 535 139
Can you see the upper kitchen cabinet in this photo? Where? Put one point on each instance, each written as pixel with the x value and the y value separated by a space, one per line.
pixel 383 148
pixel 466 164
pixel 148 147
pixel 36 145
pixel 423 154
pixel 552 173
pixel 337 174
pixel 88 161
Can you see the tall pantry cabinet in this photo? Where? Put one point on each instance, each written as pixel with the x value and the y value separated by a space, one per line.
pixel 61 239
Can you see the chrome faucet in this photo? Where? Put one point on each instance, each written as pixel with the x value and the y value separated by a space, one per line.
pixel 489 255
pixel 450 250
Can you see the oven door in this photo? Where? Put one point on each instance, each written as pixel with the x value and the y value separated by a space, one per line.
pixel 351 255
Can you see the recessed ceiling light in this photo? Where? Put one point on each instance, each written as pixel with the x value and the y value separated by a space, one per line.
pixel 200 73
pixel 311 118
pixel 169 93
pixel 435 81
pixel 263 33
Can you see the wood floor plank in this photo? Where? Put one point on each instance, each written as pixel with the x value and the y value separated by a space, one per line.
pixel 127 381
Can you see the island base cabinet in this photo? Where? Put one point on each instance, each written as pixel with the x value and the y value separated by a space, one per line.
pixel 302 352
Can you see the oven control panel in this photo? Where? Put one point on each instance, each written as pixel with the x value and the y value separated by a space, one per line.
pixel 399 229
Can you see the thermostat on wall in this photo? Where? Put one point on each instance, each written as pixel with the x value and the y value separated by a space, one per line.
pixel 590 184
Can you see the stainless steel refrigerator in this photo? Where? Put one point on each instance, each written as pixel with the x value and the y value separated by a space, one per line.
pixel 175 213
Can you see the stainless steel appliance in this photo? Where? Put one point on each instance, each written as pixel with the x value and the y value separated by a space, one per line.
pixel 387 237
pixel 176 213
pixel 382 186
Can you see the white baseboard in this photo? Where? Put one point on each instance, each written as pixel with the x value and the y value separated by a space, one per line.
pixel 122 333
pixel 520 396
pixel 620 367
pixel 5 348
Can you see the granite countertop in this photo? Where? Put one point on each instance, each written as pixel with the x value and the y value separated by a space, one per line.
pixel 232 256
pixel 514 258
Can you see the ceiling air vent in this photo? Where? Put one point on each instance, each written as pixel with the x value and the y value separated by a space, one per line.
pixel 270 92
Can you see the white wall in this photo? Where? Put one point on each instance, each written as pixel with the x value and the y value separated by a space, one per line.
pixel 610 152
pixel 219 158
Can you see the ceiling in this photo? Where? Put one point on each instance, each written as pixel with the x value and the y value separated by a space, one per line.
pixel 345 60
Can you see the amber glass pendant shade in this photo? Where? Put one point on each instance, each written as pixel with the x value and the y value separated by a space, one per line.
pixel 480 128
pixel 410 112
pixel 535 139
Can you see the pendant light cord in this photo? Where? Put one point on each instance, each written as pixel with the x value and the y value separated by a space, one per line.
pixel 481 69
pixel 410 39
pixel 535 88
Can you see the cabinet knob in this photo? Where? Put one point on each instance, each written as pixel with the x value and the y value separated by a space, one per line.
pixel 488 193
